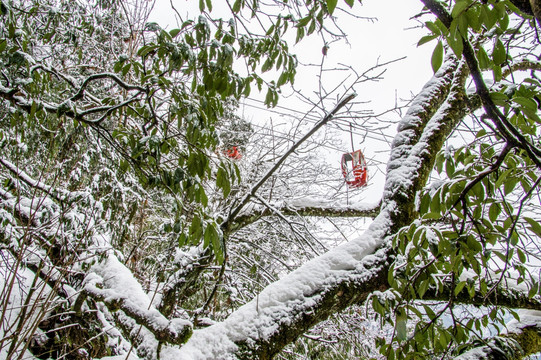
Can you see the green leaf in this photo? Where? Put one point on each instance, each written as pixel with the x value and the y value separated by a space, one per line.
pixel 474 244
pixel 195 230
pixel 488 17
pixel 312 27
pixel 331 5
pixel 521 256
pixel 126 69
pixel 423 287
pixel 450 168
pixel 33 109
pixel 497 72
pixel 494 211
pixel 483 59
pixel 429 312
pixel 174 32
pixel 459 287
pixel 377 306
pixel 471 290
pixel 207 237
pixel 144 50
pixel 533 290
pixel 432 215
pixel 270 30
pixel 435 203
pixel 426 39
pixel 510 185
pixel 213 238
pixel 440 159
pixel 182 240
pixel 527 103
pixel 271 98
pixel 401 325
pixel 463 25
pixel 504 22
pixel 222 181
pixel 424 204
pixel 455 42
pixel 499 55
pixel 514 9
pixel 304 21
pixel 284 76
pixel 479 191
pixel 437 56
pixel 300 34
pixel 350 3
pixel 433 27
pixel 474 18
pixel 459 7
pixel 118 66
pixel 534 226
pixel 499 98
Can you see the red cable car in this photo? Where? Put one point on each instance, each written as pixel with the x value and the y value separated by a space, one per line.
pixel 233 153
pixel 354 169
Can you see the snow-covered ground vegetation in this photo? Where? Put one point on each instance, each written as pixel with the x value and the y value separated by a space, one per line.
pixel 143 217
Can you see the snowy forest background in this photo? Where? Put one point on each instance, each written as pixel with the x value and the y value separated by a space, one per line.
pixel 128 231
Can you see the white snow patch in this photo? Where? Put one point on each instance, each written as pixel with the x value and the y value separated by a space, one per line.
pixel 132 356
pixel 528 318
pixel 474 354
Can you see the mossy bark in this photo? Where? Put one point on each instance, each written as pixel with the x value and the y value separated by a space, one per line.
pixel 519 344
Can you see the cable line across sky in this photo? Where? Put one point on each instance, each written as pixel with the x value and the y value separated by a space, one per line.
pixel 285 112
pixel 368 133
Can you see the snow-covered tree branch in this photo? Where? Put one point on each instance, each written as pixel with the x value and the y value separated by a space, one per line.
pixel 142 217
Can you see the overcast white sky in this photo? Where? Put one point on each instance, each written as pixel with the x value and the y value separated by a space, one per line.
pixel 392 36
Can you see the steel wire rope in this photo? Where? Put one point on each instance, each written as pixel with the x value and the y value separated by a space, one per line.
pixel 288 137
pixel 379 136
pixel 313 117
pixel 292 138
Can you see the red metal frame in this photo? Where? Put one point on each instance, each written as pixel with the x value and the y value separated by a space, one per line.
pixel 354 169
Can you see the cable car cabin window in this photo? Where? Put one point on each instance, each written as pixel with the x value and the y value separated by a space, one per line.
pixel 354 169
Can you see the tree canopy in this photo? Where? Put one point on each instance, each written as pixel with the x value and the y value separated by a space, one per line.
pixel 144 218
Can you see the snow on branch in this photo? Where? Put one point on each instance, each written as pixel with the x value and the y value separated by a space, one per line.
pixel 419 132
pixel 506 295
pixel 523 338
pixel 57 194
pixel 101 76
pixel 306 206
pixel 108 282
pixel 113 283
pixel 182 281
pixel 285 309
pixel 68 108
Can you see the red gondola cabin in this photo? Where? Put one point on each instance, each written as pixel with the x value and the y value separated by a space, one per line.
pixel 354 169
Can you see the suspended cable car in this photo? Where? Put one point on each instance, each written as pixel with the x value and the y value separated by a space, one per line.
pixel 354 169
pixel 233 153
